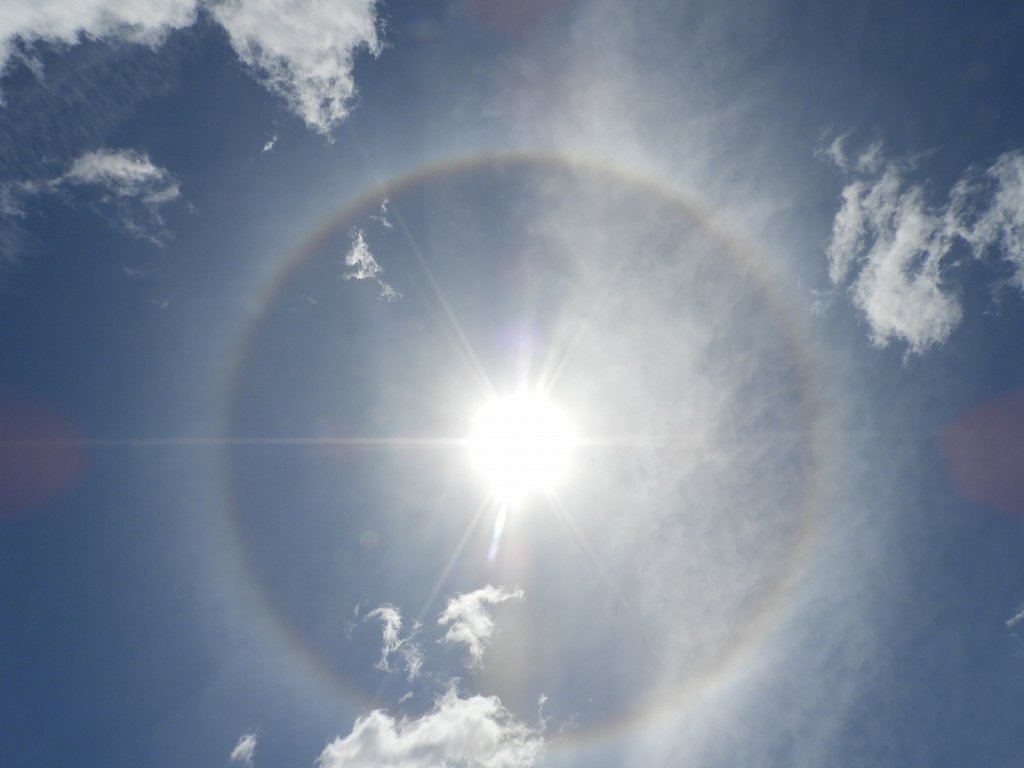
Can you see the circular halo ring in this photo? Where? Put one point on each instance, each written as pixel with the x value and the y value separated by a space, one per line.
pixel 731 661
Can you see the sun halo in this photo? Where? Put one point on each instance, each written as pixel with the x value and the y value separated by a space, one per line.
pixel 520 445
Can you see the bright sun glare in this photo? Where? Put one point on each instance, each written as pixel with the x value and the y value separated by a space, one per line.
pixel 520 445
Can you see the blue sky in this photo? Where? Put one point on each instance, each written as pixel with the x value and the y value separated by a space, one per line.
pixel 741 282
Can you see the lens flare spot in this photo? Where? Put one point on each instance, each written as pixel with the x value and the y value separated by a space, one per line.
pixel 41 455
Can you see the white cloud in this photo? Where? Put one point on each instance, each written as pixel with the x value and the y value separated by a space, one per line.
pixel 303 49
pixel 895 250
pixel 868 160
pixel 365 267
pixel 391 628
pixel 363 264
pixel 900 246
pixel 125 173
pixel 66 22
pixel 244 750
pixel 1017 618
pixel 468 621
pixel 300 49
pixel 1000 225
pixel 388 292
pixel 131 183
pixel 127 182
pixel 382 219
pixel 472 732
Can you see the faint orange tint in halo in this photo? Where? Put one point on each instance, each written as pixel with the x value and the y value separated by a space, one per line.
pixel 41 455
pixel 509 16
pixel 985 451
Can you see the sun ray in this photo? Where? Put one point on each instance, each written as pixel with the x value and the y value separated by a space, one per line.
pixel 439 294
pixel 592 560
pixel 446 571
pixel 233 441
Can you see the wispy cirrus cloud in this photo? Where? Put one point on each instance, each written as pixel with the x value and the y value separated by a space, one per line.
pixel 129 184
pixel 469 622
pixel 124 183
pixel 244 750
pixel 1017 618
pixel 391 628
pixel 364 266
pixel 472 732
pixel 303 50
pixel 895 250
pixel 992 212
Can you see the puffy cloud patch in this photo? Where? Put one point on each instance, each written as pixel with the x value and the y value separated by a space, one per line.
pixel 470 732
pixel 363 266
pixel 244 750
pixel 468 621
pixel 893 249
pixel 303 49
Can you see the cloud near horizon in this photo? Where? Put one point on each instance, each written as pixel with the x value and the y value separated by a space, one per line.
pixel 894 250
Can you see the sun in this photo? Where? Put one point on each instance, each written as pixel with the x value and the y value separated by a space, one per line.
pixel 521 445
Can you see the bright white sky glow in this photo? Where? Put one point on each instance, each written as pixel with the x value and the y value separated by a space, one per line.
pixel 520 445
